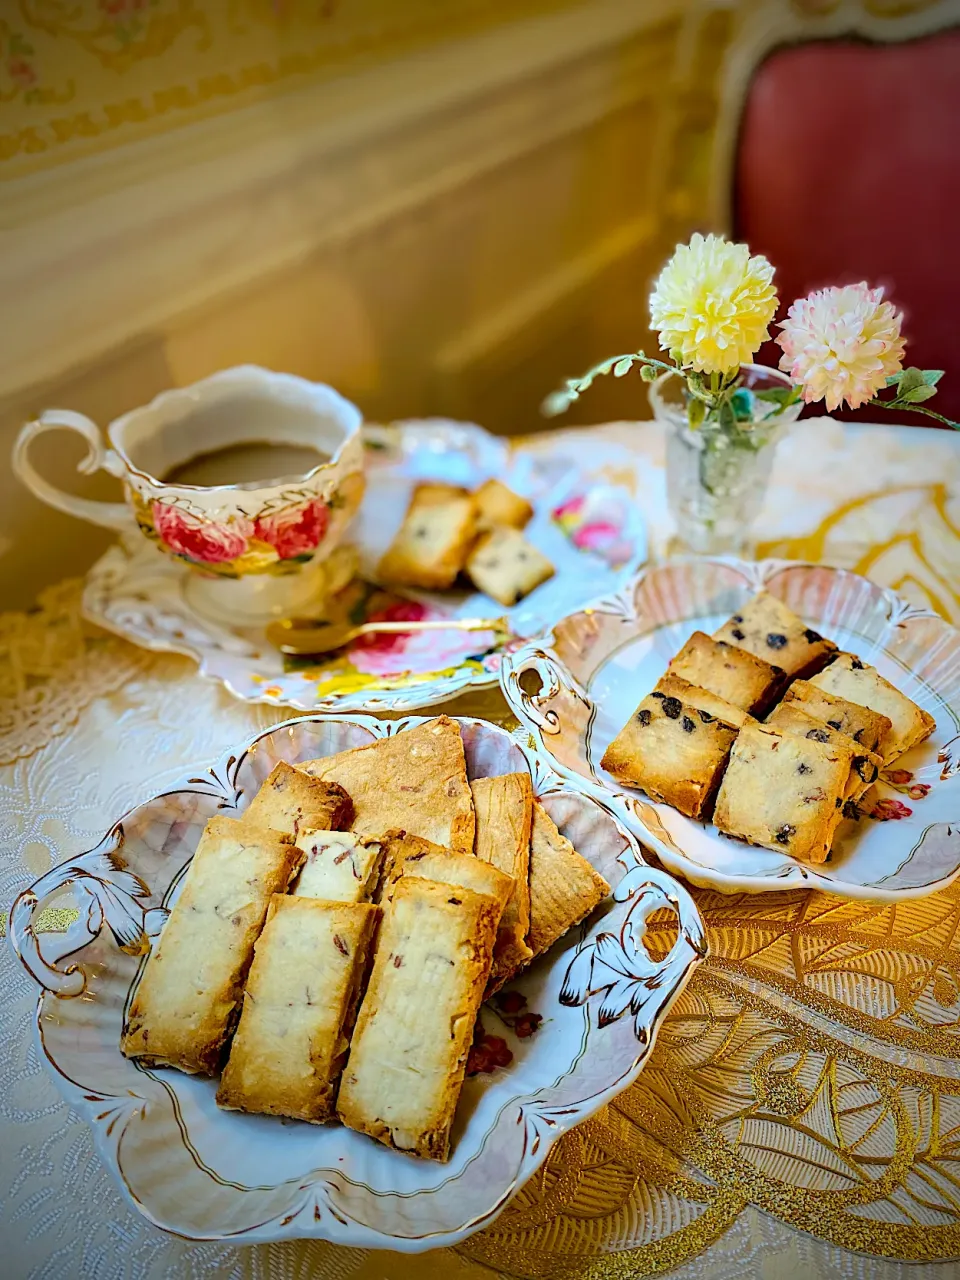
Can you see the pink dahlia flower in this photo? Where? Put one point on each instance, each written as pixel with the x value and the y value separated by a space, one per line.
pixel 295 531
pixel 841 344
pixel 205 541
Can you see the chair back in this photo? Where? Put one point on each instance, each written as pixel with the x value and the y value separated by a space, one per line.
pixel 848 168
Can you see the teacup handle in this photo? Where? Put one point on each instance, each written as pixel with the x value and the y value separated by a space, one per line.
pixel 112 515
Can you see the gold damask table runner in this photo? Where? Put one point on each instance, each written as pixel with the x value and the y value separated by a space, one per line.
pixel 807 1081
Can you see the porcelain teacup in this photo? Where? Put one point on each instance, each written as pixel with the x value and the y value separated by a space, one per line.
pixel 255 550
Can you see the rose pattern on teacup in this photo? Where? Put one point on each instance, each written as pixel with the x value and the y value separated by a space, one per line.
pixel 202 541
pixel 286 533
pixel 295 532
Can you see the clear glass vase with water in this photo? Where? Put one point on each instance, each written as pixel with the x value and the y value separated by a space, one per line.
pixel 718 465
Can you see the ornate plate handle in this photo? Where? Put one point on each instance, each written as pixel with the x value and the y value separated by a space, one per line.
pixel 554 679
pixel 618 967
pixel 560 710
pixel 111 896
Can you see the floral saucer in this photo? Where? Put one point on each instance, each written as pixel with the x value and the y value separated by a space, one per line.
pixel 590 530
pixel 601 660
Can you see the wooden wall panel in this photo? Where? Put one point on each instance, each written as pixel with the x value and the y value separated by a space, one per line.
pixel 449 233
pixel 435 216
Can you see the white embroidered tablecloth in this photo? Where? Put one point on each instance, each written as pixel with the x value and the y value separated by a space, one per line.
pixel 89 726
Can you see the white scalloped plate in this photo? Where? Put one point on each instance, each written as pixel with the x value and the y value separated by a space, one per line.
pixel 601 661
pixel 209 1174
pixel 591 531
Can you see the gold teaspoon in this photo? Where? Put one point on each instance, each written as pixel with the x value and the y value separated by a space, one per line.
pixel 301 637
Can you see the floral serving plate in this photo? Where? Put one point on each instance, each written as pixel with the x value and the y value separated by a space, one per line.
pixel 573 1031
pixel 590 530
pixel 602 660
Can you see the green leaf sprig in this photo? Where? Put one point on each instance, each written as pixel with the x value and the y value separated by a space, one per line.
pixel 715 396
pixel 913 386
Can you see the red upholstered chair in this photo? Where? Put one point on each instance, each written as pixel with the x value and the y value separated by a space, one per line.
pixel 848 168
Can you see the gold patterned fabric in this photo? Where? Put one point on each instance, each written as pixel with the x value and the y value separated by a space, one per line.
pixel 800 1114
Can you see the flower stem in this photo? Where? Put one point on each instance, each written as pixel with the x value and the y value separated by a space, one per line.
pixel 559 401
pixel 914 408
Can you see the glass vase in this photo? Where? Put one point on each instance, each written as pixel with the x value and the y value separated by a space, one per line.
pixel 717 474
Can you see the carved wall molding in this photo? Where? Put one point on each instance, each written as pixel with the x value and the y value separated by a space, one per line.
pixel 232 202
pixel 83 78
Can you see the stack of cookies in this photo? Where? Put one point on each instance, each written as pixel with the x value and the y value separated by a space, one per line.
pixel 830 723
pixel 331 948
pixel 448 531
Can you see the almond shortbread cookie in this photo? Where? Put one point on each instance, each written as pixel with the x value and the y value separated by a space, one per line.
pixel 185 1007
pixel 415 781
pixel 564 888
pixel 733 674
pixel 506 566
pixel 498 505
pixel 290 801
pixel 398 846
pixel 301 999
pixel 410 1045
pixel 340 866
pixel 504 809
pixel 765 626
pixel 784 792
pixel 411 856
pixel 434 539
pixel 674 751
pixel 854 680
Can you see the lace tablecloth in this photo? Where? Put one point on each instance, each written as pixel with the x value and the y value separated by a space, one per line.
pixel 718 1162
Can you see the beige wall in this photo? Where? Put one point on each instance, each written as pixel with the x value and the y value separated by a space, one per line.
pixel 434 219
